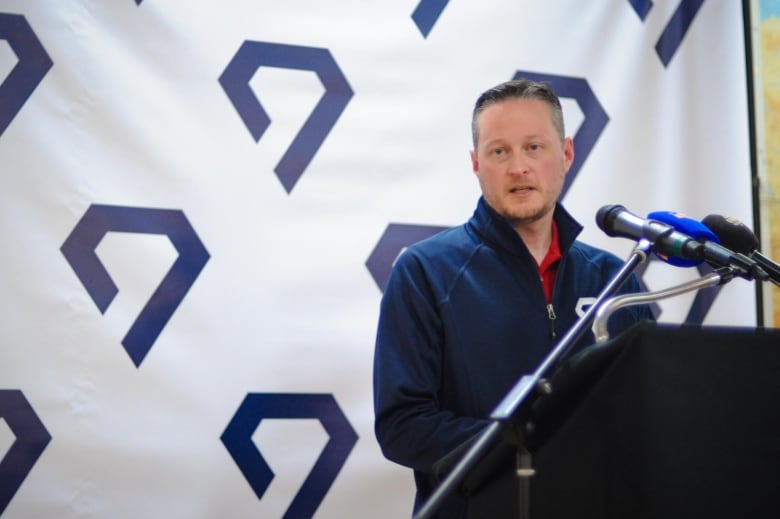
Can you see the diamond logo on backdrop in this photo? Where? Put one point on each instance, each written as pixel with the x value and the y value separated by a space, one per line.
pixel 32 65
pixel 392 243
pixel 595 118
pixel 675 30
pixel 6 438
pixel 257 407
pixel 31 438
pixel 704 299
pixel 641 7
pixel 79 250
pixel 427 13
pixel 255 54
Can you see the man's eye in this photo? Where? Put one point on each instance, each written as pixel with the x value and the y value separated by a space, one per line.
pixel 498 151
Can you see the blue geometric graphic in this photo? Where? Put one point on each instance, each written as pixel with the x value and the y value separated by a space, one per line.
pixel 255 54
pixel 640 270
pixel 79 249
pixel 31 439
pixel 427 13
pixel 32 65
pixel 594 121
pixel 675 30
pixel 256 407
pixel 642 7
pixel 393 241
pixel 704 299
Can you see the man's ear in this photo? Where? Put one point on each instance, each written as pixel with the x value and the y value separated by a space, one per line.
pixel 568 153
pixel 474 161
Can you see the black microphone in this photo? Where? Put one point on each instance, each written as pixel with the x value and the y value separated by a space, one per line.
pixel 732 233
pixel 616 220
pixel 738 236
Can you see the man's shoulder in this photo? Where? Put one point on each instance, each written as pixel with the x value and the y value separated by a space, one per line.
pixel 442 255
pixel 594 255
pixel 444 243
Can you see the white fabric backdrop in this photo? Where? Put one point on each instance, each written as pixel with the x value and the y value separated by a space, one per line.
pixel 132 114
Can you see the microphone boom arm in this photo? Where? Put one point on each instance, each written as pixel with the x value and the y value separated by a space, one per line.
pixel 718 277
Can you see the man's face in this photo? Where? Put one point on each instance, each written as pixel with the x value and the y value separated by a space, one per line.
pixel 520 161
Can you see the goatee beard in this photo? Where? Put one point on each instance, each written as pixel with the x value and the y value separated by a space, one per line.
pixel 534 216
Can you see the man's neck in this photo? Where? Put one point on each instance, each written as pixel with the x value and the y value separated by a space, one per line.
pixel 537 237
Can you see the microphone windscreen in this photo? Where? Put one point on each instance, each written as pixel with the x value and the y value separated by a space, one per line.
pixel 605 218
pixel 732 233
pixel 685 225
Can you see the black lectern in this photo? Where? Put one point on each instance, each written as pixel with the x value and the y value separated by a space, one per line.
pixel 660 422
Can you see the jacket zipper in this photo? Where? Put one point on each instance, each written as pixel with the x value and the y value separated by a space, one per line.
pixel 551 315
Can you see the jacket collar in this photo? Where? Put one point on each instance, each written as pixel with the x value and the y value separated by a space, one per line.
pixel 497 231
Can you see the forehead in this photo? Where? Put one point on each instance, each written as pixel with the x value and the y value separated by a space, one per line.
pixel 515 119
pixel 516 111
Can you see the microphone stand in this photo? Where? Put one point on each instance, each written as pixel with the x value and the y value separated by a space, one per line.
pixel 715 278
pixel 772 268
pixel 522 389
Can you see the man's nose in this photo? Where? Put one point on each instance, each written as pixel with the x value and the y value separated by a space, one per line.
pixel 518 164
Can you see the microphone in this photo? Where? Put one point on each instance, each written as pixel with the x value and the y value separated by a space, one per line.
pixel 616 220
pixel 681 223
pixel 738 236
pixel 732 232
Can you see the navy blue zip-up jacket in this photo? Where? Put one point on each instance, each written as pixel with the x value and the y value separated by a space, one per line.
pixel 462 318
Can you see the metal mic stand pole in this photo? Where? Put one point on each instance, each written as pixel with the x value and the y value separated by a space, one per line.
pixel 524 387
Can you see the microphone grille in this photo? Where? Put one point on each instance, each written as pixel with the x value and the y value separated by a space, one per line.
pixel 605 217
pixel 732 233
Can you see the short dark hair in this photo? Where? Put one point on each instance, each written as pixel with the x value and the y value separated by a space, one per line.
pixel 519 89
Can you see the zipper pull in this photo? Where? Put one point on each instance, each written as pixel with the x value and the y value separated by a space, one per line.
pixel 551 315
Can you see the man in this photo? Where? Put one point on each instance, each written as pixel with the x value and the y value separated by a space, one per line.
pixel 469 311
